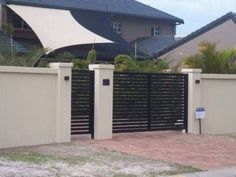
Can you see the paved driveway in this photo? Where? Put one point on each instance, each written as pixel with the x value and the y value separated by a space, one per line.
pixel 204 152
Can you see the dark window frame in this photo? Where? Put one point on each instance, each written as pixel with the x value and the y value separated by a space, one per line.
pixel 156 31
pixel 117 27
pixel 19 23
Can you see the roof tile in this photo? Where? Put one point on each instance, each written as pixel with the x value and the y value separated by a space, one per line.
pixel 124 7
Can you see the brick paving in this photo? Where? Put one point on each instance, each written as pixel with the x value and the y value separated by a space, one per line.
pixel 204 152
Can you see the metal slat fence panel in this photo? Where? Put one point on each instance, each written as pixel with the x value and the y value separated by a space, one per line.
pixel 149 102
pixel 167 101
pixel 82 102
pixel 130 102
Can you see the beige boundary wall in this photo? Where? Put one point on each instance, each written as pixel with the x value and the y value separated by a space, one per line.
pixel 217 94
pixel 35 105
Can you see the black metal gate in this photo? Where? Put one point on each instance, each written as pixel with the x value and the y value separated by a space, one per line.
pixel 82 113
pixel 149 102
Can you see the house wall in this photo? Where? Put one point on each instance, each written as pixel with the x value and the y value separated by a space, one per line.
pixel 1 15
pixel 224 35
pixel 216 93
pixel 134 28
pixel 29 109
pixel 19 33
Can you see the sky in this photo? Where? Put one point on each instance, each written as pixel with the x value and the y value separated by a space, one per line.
pixel 195 13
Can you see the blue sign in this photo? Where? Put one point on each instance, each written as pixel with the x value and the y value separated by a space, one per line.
pixel 200 113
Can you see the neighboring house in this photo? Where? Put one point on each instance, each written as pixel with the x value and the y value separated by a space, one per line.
pixel 151 45
pixel 221 31
pixel 7 46
pixel 129 19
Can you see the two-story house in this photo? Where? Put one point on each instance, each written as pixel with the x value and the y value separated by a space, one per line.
pixel 121 22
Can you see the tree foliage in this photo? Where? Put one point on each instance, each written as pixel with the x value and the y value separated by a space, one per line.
pixel 82 64
pixel 212 60
pixel 64 56
pixel 124 63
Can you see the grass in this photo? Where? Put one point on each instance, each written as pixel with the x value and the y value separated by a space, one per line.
pixel 124 175
pixel 86 159
pixel 29 157
pixel 37 158
pixel 180 170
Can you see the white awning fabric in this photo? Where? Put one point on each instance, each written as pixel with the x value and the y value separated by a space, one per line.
pixel 56 28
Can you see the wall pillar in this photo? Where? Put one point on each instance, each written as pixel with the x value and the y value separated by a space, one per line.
pixel 103 100
pixel 63 127
pixel 194 95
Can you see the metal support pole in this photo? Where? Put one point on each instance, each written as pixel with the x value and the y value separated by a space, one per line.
pixel 200 126
pixel 135 52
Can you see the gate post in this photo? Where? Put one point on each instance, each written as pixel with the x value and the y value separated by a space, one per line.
pixel 194 95
pixel 103 100
pixel 63 114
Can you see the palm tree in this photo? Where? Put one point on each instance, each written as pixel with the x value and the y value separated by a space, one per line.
pixel 28 59
pixel 212 60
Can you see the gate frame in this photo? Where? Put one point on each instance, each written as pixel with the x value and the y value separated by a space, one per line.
pixel 186 82
pixel 91 102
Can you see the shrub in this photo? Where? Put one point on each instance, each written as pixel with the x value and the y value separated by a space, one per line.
pixel 64 56
pixel 125 63
pixel 81 64
pixel 92 56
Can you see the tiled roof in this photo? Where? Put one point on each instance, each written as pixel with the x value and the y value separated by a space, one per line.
pixel 122 7
pixel 210 26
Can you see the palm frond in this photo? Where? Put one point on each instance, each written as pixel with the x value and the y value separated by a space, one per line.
pixel 212 60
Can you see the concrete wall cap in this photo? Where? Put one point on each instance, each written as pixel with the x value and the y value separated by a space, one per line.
pixel 219 76
pixel 101 66
pixel 60 65
pixel 191 70
pixel 26 70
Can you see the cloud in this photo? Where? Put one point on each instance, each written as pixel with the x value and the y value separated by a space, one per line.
pixel 196 13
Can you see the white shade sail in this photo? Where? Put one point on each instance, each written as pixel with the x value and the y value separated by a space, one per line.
pixel 56 28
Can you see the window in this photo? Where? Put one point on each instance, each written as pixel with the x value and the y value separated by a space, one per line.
pixel 18 23
pixel 117 27
pixel 156 31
